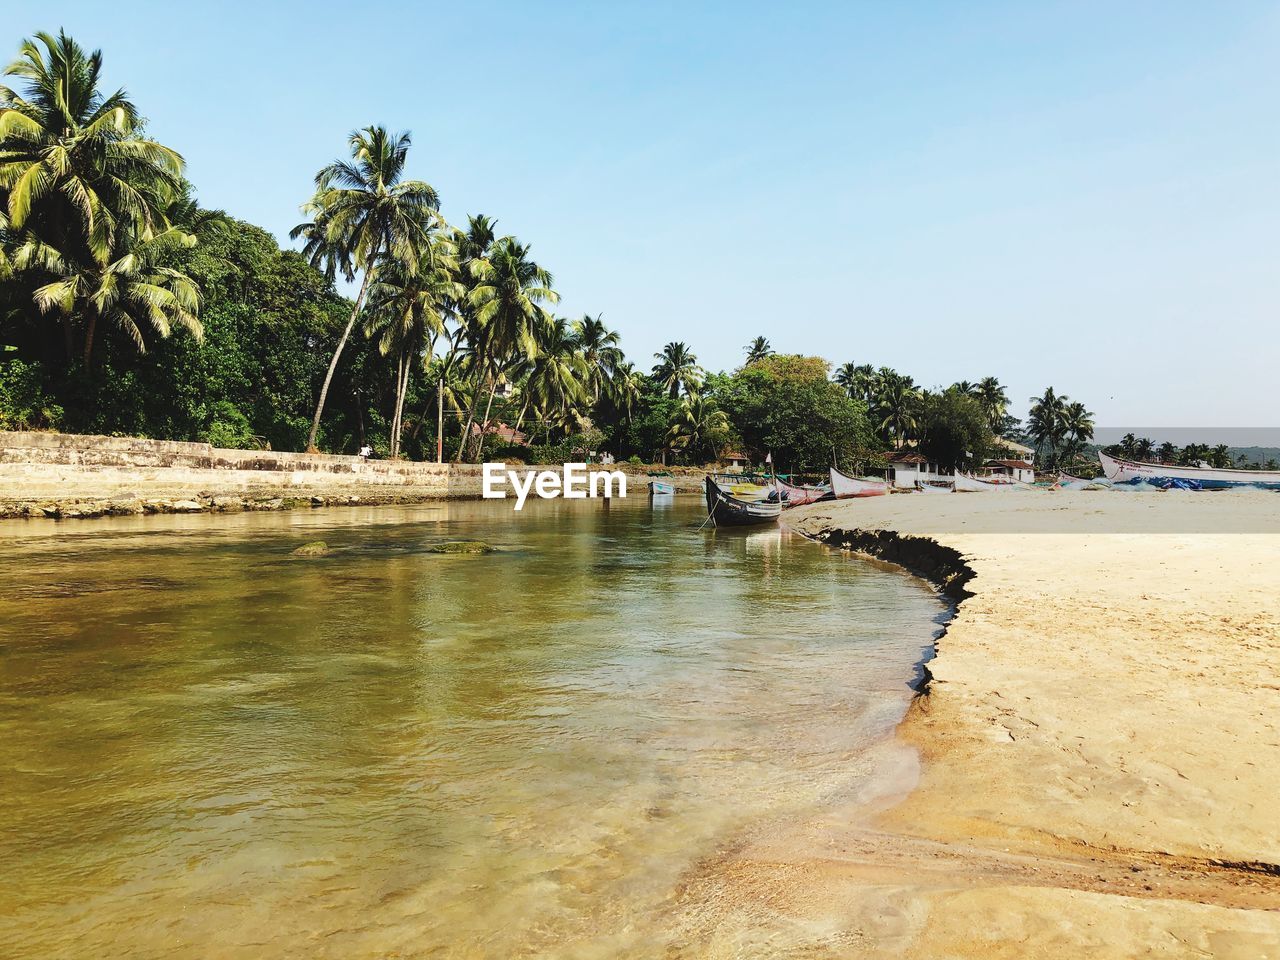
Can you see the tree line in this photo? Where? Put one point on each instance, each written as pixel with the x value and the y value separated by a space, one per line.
pixel 127 308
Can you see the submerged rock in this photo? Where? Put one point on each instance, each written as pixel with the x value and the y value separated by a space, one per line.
pixel 316 548
pixel 462 546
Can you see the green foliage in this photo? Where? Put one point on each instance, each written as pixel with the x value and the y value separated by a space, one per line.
pixel 955 430
pixel 24 404
pixel 785 405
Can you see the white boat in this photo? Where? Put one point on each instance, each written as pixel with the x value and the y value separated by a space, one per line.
pixel 843 486
pixel 926 487
pixel 1191 478
pixel 968 484
pixel 662 487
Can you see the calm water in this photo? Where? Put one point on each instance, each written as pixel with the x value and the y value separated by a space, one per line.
pixel 210 749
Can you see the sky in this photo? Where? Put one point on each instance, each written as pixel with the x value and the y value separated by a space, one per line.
pixel 1076 194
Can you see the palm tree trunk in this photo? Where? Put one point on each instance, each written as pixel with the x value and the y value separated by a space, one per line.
pixel 403 391
pixel 471 417
pixel 484 429
pixel 333 364
pixel 88 338
pixel 395 406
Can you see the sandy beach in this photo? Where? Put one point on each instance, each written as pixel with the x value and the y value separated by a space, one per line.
pixel 1099 743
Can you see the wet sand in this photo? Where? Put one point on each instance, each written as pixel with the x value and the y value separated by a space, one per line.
pixel 1100 744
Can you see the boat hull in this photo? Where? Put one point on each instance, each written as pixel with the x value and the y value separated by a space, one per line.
pixel 967 484
pixel 661 488
pixel 843 486
pixel 727 510
pixel 935 488
pixel 1194 478
pixel 795 494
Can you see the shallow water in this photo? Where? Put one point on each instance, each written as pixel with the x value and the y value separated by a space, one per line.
pixel 211 749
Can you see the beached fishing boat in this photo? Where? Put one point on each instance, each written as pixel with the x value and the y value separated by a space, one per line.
pixel 937 487
pixel 795 494
pixel 1189 478
pixel 726 510
pixel 967 484
pixel 662 487
pixel 844 486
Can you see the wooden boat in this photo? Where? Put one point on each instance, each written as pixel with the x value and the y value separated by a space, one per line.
pixel 726 510
pixel 662 487
pixel 843 486
pixel 796 494
pixel 967 484
pixel 1166 475
pixel 935 487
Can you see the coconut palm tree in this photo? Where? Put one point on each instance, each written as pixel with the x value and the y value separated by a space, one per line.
pixel 407 312
pixel 994 400
pixel 1077 425
pixel 599 347
pixel 82 185
pixel 758 349
pixel 696 425
pixel 1046 424
pixel 897 407
pixel 558 374
pixel 363 214
pixel 677 369
pixel 132 292
pixel 507 314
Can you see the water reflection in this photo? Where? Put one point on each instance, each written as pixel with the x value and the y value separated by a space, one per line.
pixel 213 749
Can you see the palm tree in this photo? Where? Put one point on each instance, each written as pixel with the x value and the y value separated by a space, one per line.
pixel 557 376
pixel 83 187
pixel 131 292
pixel 1046 424
pixel 1167 452
pixel 758 349
pixel 507 314
pixel 1143 449
pixel 858 380
pixel 1077 422
pixel 677 369
pixel 364 213
pixel 897 407
pixel 407 311
pixel 994 400
pixel 599 347
pixel 696 424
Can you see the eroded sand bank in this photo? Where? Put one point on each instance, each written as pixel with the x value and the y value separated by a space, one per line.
pixel 1100 746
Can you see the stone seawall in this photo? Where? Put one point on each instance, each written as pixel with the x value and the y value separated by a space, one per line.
pixel 67 475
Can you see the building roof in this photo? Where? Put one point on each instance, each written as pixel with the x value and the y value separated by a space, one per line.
pixel 1016 464
pixel 733 455
pixel 906 456
pixel 502 432
pixel 1015 447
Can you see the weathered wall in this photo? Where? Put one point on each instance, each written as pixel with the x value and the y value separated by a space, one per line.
pixel 55 474
pixel 40 465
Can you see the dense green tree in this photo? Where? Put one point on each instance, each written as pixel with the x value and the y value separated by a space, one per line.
pixel 785 405
pixel 954 429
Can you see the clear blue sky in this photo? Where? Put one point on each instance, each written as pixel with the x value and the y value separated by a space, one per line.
pixel 1078 194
